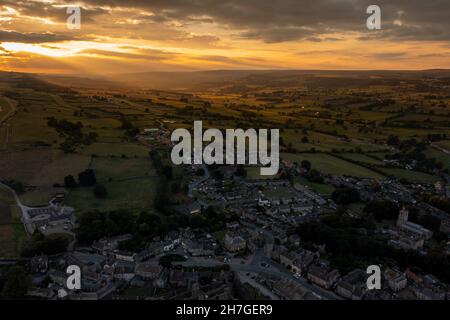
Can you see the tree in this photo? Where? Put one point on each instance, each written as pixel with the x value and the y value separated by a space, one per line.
pixel 87 178
pixel 306 165
pixel 200 172
pixel 70 182
pixel 345 195
pixel 124 219
pixel 17 186
pixel 175 187
pixel 95 225
pixel 393 140
pixel 197 221
pixel 211 212
pixel 314 176
pixel 167 172
pixel 166 261
pixel 17 283
pixel 100 191
pixel 218 175
pixel 241 172
pixel 40 244
pixel 382 209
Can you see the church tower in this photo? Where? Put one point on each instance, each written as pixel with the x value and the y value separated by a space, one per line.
pixel 402 217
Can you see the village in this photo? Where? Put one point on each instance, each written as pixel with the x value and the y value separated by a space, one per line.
pixel 261 254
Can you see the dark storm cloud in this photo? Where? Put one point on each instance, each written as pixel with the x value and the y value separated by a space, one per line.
pixel 13 36
pixel 49 11
pixel 272 21
pixel 280 20
pixel 422 32
pixel 285 20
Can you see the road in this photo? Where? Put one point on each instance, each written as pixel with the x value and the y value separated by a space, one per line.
pixel 11 261
pixel 253 265
pixel 440 148
pixel 268 236
pixel 195 183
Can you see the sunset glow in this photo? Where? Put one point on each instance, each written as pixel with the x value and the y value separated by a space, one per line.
pixel 160 36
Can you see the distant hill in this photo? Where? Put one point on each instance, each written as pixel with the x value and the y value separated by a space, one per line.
pixel 31 81
pixel 220 79
pixel 80 81
pixel 230 81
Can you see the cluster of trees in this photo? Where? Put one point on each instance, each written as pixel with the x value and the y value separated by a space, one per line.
pixel 349 249
pixel 441 203
pixel 144 226
pixel 345 195
pixel 72 134
pixel 241 171
pixel 130 130
pixel 311 174
pixel 314 176
pixel 95 225
pixel 306 165
pixel 17 186
pixel 217 174
pixel 166 260
pixel 411 149
pixel 161 166
pixel 14 282
pixel 86 178
pixel 211 219
pixel 393 140
pixel 200 172
pixel 70 182
pixel 40 244
pixel 382 210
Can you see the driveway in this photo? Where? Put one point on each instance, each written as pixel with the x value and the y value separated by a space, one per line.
pixel 25 217
pixel 254 266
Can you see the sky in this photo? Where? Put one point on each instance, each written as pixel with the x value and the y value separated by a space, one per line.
pixel 189 35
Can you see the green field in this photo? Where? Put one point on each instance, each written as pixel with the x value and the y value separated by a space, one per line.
pixel 122 168
pixel 131 184
pixel 60 166
pixel 255 173
pixel 349 123
pixel 361 158
pixel 277 192
pixel 440 156
pixel 444 144
pixel 12 232
pixel 316 187
pixel 136 195
pixel 328 164
pixel 324 142
pixel 116 149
